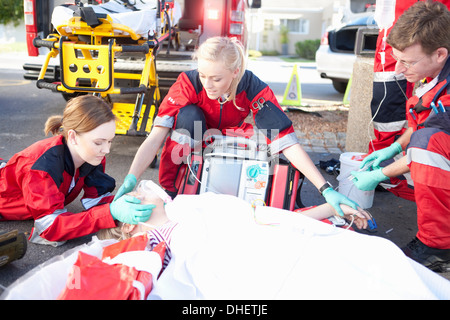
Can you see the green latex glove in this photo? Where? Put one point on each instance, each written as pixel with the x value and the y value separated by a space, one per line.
pixel 128 209
pixel 128 185
pixel 335 198
pixel 368 180
pixel 381 155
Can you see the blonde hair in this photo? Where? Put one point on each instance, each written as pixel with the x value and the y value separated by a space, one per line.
pixel 82 114
pixel 228 50
pixel 116 233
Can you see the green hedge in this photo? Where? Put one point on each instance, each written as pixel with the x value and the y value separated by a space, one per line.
pixel 11 11
pixel 307 49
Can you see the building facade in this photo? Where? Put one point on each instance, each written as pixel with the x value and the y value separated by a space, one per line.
pixel 303 19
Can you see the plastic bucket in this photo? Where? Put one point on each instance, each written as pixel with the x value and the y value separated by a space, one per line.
pixel 350 161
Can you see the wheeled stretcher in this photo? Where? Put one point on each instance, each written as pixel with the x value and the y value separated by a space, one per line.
pixel 91 44
pixel 223 249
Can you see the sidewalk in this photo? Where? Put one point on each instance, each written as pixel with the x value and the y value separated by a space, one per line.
pixel 326 142
pixel 276 73
pixel 13 60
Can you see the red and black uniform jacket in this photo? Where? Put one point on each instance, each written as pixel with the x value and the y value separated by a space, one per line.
pixel 252 95
pixel 38 182
pixel 418 108
pixel 428 155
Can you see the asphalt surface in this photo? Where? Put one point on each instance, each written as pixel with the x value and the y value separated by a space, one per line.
pixel 24 109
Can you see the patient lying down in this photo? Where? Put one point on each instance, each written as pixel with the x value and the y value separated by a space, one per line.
pixel 159 227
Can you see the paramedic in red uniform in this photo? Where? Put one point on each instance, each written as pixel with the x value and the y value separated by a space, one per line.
pixel 421 45
pixel 218 96
pixel 38 182
pixel 390 93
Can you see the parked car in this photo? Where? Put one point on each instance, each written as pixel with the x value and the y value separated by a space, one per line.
pixel 336 54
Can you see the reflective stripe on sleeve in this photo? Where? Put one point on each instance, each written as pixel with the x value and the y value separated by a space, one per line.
pixel 428 158
pixel 390 126
pixel 91 202
pixel 164 121
pixel 280 144
pixel 43 223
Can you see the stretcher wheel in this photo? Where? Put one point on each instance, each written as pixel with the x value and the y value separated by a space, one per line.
pixel 153 164
pixel 298 198
pixel 13 246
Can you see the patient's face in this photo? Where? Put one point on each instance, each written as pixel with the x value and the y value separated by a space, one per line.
pixel 145 197
pixel 158 216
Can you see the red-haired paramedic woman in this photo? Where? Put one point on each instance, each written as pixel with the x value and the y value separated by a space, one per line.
pixel 39 181
pixel 220 94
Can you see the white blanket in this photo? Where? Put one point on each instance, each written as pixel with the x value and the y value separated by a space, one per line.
pixel 223 249
pixel 141 21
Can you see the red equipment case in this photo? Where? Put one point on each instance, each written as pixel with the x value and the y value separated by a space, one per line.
pixel 283 186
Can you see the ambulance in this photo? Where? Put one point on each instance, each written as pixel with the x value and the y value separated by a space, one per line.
pixel 200 19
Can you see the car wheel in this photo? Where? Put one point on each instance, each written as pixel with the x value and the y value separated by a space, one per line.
pixel 340 85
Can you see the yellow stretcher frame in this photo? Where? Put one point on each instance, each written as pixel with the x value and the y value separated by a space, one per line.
pixel 92 62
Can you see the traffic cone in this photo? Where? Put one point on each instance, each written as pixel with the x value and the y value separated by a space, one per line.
pixel 348 90
pixel 293 93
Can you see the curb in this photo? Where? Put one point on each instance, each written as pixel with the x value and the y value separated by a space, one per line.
pixel 326 142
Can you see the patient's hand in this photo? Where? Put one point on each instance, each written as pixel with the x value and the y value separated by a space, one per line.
pixel 360 216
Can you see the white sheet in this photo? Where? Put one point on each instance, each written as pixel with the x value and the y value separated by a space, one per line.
pixel 220 252
pixel 141 22
pixel 46 281
pixel 222 249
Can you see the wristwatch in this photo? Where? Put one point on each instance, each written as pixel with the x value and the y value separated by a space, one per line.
pixel 324 187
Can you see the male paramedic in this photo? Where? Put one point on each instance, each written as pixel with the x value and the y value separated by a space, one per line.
pixel 421 44
pixel 390 93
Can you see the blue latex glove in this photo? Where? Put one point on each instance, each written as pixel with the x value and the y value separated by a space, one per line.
pixel 368 180
pixel 128 185
pixel 381 155
pixel 128 209
pixel 335 198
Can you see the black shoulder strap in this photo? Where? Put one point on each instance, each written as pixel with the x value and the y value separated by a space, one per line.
pixel 89 16
pixel 447 85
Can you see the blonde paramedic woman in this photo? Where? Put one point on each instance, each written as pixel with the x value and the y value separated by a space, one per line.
pixel 219 95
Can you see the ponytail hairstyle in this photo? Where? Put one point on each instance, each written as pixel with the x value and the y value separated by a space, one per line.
pixel 82 114
pixel 231 52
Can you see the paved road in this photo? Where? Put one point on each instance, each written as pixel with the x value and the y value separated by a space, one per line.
pixel 24 109
pixel 272 70
pixel 276 73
